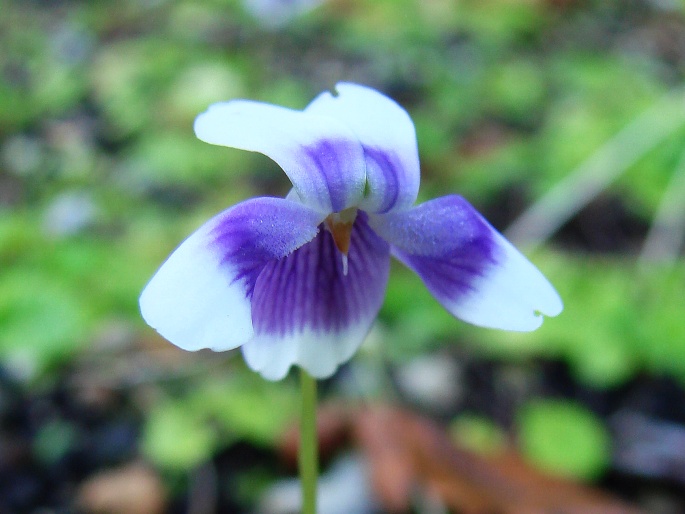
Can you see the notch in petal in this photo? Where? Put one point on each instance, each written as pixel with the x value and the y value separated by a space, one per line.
pixel 321 156
pixel 201 296
pixel 472 270
pixel 389 140
pixel 307 311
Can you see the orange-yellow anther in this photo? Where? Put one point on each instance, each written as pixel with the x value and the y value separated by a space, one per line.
pixel 340 224
pixel 342 232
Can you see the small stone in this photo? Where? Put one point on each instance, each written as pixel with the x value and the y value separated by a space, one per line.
pixel 432 381
pixel 277 13
pixel 22 155
pixel 345 488
pixel 69 214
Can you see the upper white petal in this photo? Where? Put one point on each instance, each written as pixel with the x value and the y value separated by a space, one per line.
pixel 389 140
pixel 322 156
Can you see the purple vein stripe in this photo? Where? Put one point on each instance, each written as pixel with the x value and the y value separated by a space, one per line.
pixel 329 160
pixel 308 290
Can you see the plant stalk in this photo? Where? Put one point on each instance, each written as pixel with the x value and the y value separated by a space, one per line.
pixel 308 456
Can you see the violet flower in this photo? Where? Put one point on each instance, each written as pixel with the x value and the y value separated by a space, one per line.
pixel 300 280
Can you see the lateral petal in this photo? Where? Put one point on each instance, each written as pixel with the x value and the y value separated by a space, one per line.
pixel 472 270
pixel 321 156
pixel 389 140
pixel 201 296
pixel 306 311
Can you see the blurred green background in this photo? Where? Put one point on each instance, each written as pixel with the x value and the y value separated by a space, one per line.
pixel 571 108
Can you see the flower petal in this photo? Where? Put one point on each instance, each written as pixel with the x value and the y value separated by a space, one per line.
pixel 200 297
pixel 321 156
pixel 469 267
pixel 306 311
pixel 389 140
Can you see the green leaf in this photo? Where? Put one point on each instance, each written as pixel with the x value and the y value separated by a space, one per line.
pixel 478 433
pixel 42 322
pixel 246 407
pixel 564 438
pixel 175 438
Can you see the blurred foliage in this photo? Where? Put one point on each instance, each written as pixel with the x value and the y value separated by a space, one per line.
pixel 184 431
pixel 564 437
pixel 101 176
pixel 623 321
pixel 478 433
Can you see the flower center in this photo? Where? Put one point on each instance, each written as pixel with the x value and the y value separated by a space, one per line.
pixel 340 224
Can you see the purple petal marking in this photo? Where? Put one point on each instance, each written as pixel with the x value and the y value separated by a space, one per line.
pixel 469 267
pixel 257 231
pixel 307 290
pixel 385 187
pixel 388 138
pixel 306 311
pixel 328 171
pixel 444 240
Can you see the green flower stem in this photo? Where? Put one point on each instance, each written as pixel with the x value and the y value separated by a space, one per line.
pixel 309 458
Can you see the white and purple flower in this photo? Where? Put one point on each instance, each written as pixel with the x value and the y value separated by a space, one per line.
pixel 300 280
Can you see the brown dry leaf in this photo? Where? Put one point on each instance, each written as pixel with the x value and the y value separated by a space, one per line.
pixel 130 489
pixel 476 484
pixel 406 451
pixel 392 467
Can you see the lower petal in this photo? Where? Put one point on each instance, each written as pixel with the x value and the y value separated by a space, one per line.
pixel 200 297
pixel 307 311
pixel 473 271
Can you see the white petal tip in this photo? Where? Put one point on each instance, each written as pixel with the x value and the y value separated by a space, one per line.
pixel 320 354
pixel 514 295
pixel 192 303
pixel 554 306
